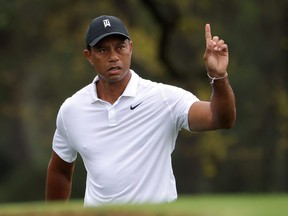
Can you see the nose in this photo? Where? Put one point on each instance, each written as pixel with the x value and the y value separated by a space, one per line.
pixel 113 56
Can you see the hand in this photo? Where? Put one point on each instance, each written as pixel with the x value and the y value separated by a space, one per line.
pixel 216 54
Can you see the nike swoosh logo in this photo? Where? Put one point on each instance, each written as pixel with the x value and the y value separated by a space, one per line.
pixel 133 107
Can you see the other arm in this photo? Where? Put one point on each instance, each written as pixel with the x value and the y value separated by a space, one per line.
pixel 220 112
pixel 59 179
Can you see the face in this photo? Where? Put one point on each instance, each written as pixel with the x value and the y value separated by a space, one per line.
pixel 111 58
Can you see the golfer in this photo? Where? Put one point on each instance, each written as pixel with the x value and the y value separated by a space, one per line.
pixel 125 127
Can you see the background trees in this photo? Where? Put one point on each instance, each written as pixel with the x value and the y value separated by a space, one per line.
pixel 41 64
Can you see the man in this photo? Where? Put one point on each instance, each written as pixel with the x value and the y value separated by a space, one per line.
pixel 125 127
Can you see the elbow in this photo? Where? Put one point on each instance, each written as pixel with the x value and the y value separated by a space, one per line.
pixel 229 125
pixel 229 122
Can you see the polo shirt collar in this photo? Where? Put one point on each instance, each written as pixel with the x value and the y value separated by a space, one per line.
pixel 130 90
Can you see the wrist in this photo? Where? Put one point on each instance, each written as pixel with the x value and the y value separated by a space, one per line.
pixel 213 78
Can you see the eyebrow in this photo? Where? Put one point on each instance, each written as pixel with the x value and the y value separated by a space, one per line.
pixel 118 42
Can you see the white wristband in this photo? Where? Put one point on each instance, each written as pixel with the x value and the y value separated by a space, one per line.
pixel 212 79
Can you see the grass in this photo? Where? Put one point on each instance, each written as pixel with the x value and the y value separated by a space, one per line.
pixel 197 205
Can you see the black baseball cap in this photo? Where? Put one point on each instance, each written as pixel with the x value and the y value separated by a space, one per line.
pixel 104 26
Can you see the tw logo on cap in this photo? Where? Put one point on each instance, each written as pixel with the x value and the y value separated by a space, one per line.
pixel 106 23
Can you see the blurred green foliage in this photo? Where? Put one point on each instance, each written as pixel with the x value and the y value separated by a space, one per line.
pixel 41 64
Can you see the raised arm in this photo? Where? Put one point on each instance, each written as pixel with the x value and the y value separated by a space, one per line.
pixel 59 179
pixel 220 111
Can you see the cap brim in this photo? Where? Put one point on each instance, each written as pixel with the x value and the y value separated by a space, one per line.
pixel 96 40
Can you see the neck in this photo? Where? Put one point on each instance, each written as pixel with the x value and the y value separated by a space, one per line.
pixel 110 92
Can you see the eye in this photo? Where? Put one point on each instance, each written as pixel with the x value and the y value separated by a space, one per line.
pixel 102 50
pixel 121 46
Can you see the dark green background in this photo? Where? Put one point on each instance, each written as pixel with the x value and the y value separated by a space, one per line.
pixel 42 63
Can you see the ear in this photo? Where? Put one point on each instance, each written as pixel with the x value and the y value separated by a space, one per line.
pixel 131 46
pixel 87 54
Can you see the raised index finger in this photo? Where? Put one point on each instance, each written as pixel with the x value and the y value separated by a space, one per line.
pixel 208 35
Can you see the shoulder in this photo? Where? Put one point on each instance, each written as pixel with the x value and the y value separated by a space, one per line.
pixel 166 90
pixel 78 99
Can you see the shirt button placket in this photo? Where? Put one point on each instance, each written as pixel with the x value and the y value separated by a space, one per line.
pixel 112 116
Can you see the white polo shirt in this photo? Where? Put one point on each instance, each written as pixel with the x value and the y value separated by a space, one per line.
pixel 126 147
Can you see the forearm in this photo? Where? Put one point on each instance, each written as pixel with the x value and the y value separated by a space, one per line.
pixel 59 179
pixel 58 186
pixel 222 104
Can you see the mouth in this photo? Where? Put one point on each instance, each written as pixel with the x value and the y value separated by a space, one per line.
pixel 114 69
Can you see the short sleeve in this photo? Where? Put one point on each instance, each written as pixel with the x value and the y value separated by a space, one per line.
pixel 61 144
pixel 179 102
pixel 183 107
